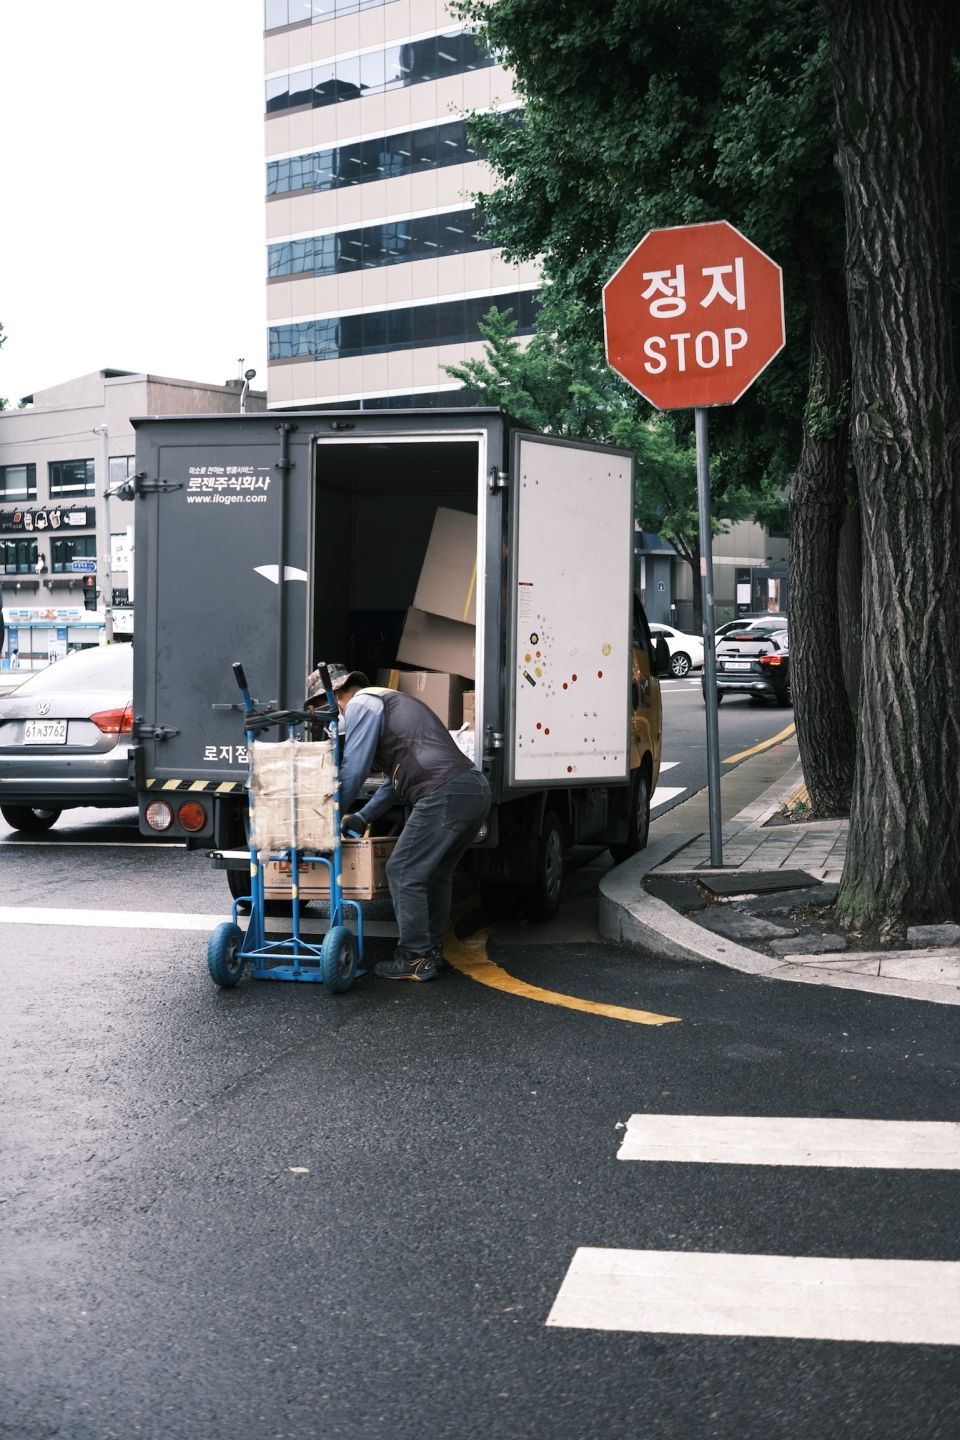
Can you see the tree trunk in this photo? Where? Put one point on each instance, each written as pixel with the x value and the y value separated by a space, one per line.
pixel 891 73
pixel 826 732
pixel 850 601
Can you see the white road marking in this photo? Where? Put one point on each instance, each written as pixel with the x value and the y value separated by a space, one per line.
pixel 663 793
pixel 907 1302
pixel 166 920
pixel 668 765
pixel 774 1140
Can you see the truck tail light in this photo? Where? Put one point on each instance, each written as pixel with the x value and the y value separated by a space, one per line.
pixel 192 816
pixel 771 659
pixel 158 815
pixel 114 722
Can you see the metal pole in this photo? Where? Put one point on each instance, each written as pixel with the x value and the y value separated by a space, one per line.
pixel 709 642
pixel 104 543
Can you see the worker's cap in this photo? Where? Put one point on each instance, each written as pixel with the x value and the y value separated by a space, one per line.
pixel 340 677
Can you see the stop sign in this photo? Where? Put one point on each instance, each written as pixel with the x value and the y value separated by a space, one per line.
pixel 693 315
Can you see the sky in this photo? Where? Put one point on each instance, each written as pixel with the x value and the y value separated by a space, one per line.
pixel 133 230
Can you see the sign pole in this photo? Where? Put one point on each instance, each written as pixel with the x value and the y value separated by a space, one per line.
pixel 709 642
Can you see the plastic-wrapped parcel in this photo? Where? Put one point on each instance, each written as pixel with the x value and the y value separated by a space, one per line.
pixel 294 793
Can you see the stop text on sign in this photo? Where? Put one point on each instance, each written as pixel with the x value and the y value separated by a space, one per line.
pixel 730 297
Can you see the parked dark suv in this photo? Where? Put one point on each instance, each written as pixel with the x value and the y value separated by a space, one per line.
pixel 754 660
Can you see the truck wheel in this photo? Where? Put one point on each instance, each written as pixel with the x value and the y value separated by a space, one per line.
pixel 639 827
pixel 22 817
pixel 239 884
pixel 224 961
pixel 542 898
pixel 501 902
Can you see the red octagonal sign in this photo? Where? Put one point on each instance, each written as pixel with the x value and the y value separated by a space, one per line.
pixel 693 316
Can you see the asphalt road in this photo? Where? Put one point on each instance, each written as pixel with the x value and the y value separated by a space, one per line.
pixel 742 725
pixel 271 1213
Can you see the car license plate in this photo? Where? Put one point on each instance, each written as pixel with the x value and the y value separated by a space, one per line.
pixel 738 665
pixel 45 732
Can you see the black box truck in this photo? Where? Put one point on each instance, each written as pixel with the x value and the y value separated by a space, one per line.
pixel 285 539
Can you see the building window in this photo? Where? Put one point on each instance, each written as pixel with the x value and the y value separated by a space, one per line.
pixel 18 482
pixel 19 557
pixel 77 547
pixel 70 478
pixel 121 468
pixel 354 76
pixel 427 238
pixel 452 322
pixel 388 157
pixel 310 12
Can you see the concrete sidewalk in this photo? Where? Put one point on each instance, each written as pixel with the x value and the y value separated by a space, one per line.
pixel 679 846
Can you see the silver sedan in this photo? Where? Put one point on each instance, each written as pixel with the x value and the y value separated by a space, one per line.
pixel 64 736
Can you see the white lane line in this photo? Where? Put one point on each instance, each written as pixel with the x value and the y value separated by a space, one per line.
pixel 907 1302
pixel 777 1140
pixel 166 920
pixel 668 765
pixel 663 793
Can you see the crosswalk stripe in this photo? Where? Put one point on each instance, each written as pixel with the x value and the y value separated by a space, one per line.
pixel 663 793
pixel 668 765
pixel 778 1140
pixel 908 1302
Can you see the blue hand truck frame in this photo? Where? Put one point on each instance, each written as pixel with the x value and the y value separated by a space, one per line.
pixel 233 952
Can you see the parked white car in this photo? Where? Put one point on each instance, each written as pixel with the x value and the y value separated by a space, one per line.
pixel 686 651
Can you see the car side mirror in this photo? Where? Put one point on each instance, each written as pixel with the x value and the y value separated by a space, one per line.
pixel 661 656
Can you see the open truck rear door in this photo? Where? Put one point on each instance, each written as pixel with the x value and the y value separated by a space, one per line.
pixel 570 593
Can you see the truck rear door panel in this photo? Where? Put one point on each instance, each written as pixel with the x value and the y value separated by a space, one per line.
pixel 211 544
pixel 569 614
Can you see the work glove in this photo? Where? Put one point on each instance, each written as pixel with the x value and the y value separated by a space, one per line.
pixel 352 827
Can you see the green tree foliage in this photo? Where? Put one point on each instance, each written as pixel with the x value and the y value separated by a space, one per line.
pixel 669 113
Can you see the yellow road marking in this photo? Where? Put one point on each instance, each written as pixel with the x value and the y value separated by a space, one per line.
pixel 758 749
pixel 470 957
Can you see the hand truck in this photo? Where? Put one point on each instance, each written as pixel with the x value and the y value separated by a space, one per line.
pixel 233 952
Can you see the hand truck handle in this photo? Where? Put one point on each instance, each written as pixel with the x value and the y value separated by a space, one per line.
pixel 239 675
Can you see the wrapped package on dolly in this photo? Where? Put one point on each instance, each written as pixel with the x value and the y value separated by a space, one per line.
pixel 294 789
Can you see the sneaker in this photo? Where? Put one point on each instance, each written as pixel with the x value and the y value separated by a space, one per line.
pixel 419 967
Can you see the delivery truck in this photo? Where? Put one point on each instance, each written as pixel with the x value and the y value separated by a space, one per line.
pixel 454 553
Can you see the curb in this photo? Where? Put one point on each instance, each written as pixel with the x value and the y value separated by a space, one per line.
pixel 629 915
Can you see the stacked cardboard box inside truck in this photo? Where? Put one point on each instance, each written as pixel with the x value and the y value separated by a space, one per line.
pixel 439 634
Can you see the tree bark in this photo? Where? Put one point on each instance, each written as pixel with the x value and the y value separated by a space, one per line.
pixel 850 601
pixel 891 72
pixel 826 731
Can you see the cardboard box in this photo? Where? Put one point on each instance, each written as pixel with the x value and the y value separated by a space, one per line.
pixel 443 693
pixel 469 707
pixel 363 876
pixel 432 642
pixel 448 577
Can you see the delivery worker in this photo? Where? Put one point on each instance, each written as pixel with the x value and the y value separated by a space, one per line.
pixel 448 800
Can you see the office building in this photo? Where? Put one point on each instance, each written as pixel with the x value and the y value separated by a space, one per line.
pixel 377 270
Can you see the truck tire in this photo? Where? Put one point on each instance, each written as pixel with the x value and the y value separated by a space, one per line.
pixel 639 825
pixel 541 899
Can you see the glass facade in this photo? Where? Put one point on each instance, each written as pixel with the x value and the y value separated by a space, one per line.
pixel 388 157
pixel 351 77
pixel 18 482
pixel 19 556
pixel 451 322
pixel 277 13
pixel 426 238
pixel 69 478
pixel 76 547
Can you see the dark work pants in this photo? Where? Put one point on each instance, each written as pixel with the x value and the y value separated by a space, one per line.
pixel 420 870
